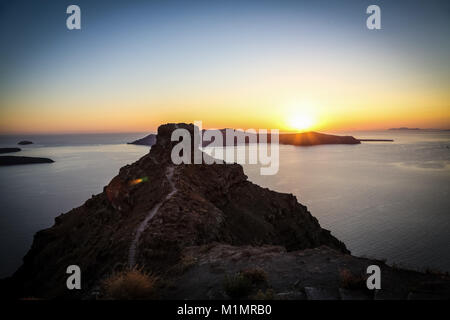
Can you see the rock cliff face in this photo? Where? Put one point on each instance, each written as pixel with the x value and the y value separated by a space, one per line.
pixel 158 215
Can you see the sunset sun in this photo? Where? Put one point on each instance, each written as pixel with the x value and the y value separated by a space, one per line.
pixel 301 122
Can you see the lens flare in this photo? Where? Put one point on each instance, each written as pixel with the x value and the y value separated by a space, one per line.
pixel 137 181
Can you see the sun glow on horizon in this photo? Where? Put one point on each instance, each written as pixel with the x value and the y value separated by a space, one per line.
pixel 301 117
pixel 302 122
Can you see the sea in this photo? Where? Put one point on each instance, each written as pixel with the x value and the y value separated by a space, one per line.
pixel 384 200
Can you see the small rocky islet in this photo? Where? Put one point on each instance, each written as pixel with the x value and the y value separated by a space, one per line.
pixel 20 160
pixel 24 142
pixel 9 150
pixel 16 160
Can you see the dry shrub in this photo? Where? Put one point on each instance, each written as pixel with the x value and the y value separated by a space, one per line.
pixel 237 286
pixel 132 284
pixel 267 295
pixel 350 281
pixel 240 285
pixel 187 261
pixel 255 275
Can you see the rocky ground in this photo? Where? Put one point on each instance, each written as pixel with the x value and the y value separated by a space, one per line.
pixel 202 229
pixel 311 274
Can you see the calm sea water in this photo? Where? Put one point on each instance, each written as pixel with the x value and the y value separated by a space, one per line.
pixel 33 195
pixel 384 200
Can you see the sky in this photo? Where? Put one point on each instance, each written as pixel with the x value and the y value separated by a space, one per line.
pixel 288 65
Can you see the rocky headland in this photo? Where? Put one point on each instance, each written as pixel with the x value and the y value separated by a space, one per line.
pixel 16 160
pixel 148 140
pixel 204 232
pixel 9 150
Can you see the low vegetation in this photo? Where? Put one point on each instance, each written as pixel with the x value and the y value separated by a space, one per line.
pixel 255 275
pixel 264 295
pixel 237 286
pixel 131 284
pixel 240 285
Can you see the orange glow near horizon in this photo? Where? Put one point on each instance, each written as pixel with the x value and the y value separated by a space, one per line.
pixel 301 117
pixel 148 121
pixel 289 98
pixel 340 111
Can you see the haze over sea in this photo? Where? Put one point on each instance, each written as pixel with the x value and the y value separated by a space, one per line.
pixel 382 199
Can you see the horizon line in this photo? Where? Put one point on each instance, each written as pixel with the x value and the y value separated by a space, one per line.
pixel 155 131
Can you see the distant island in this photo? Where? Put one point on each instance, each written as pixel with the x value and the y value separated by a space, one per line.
pixel 25 142
pixel 15 160
pixel 304 139
pixel 405 128
pixel 376 140
pixel 146 141
pixel 315 138
pixel 417 129
pixel 9 150
pixel 295 139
